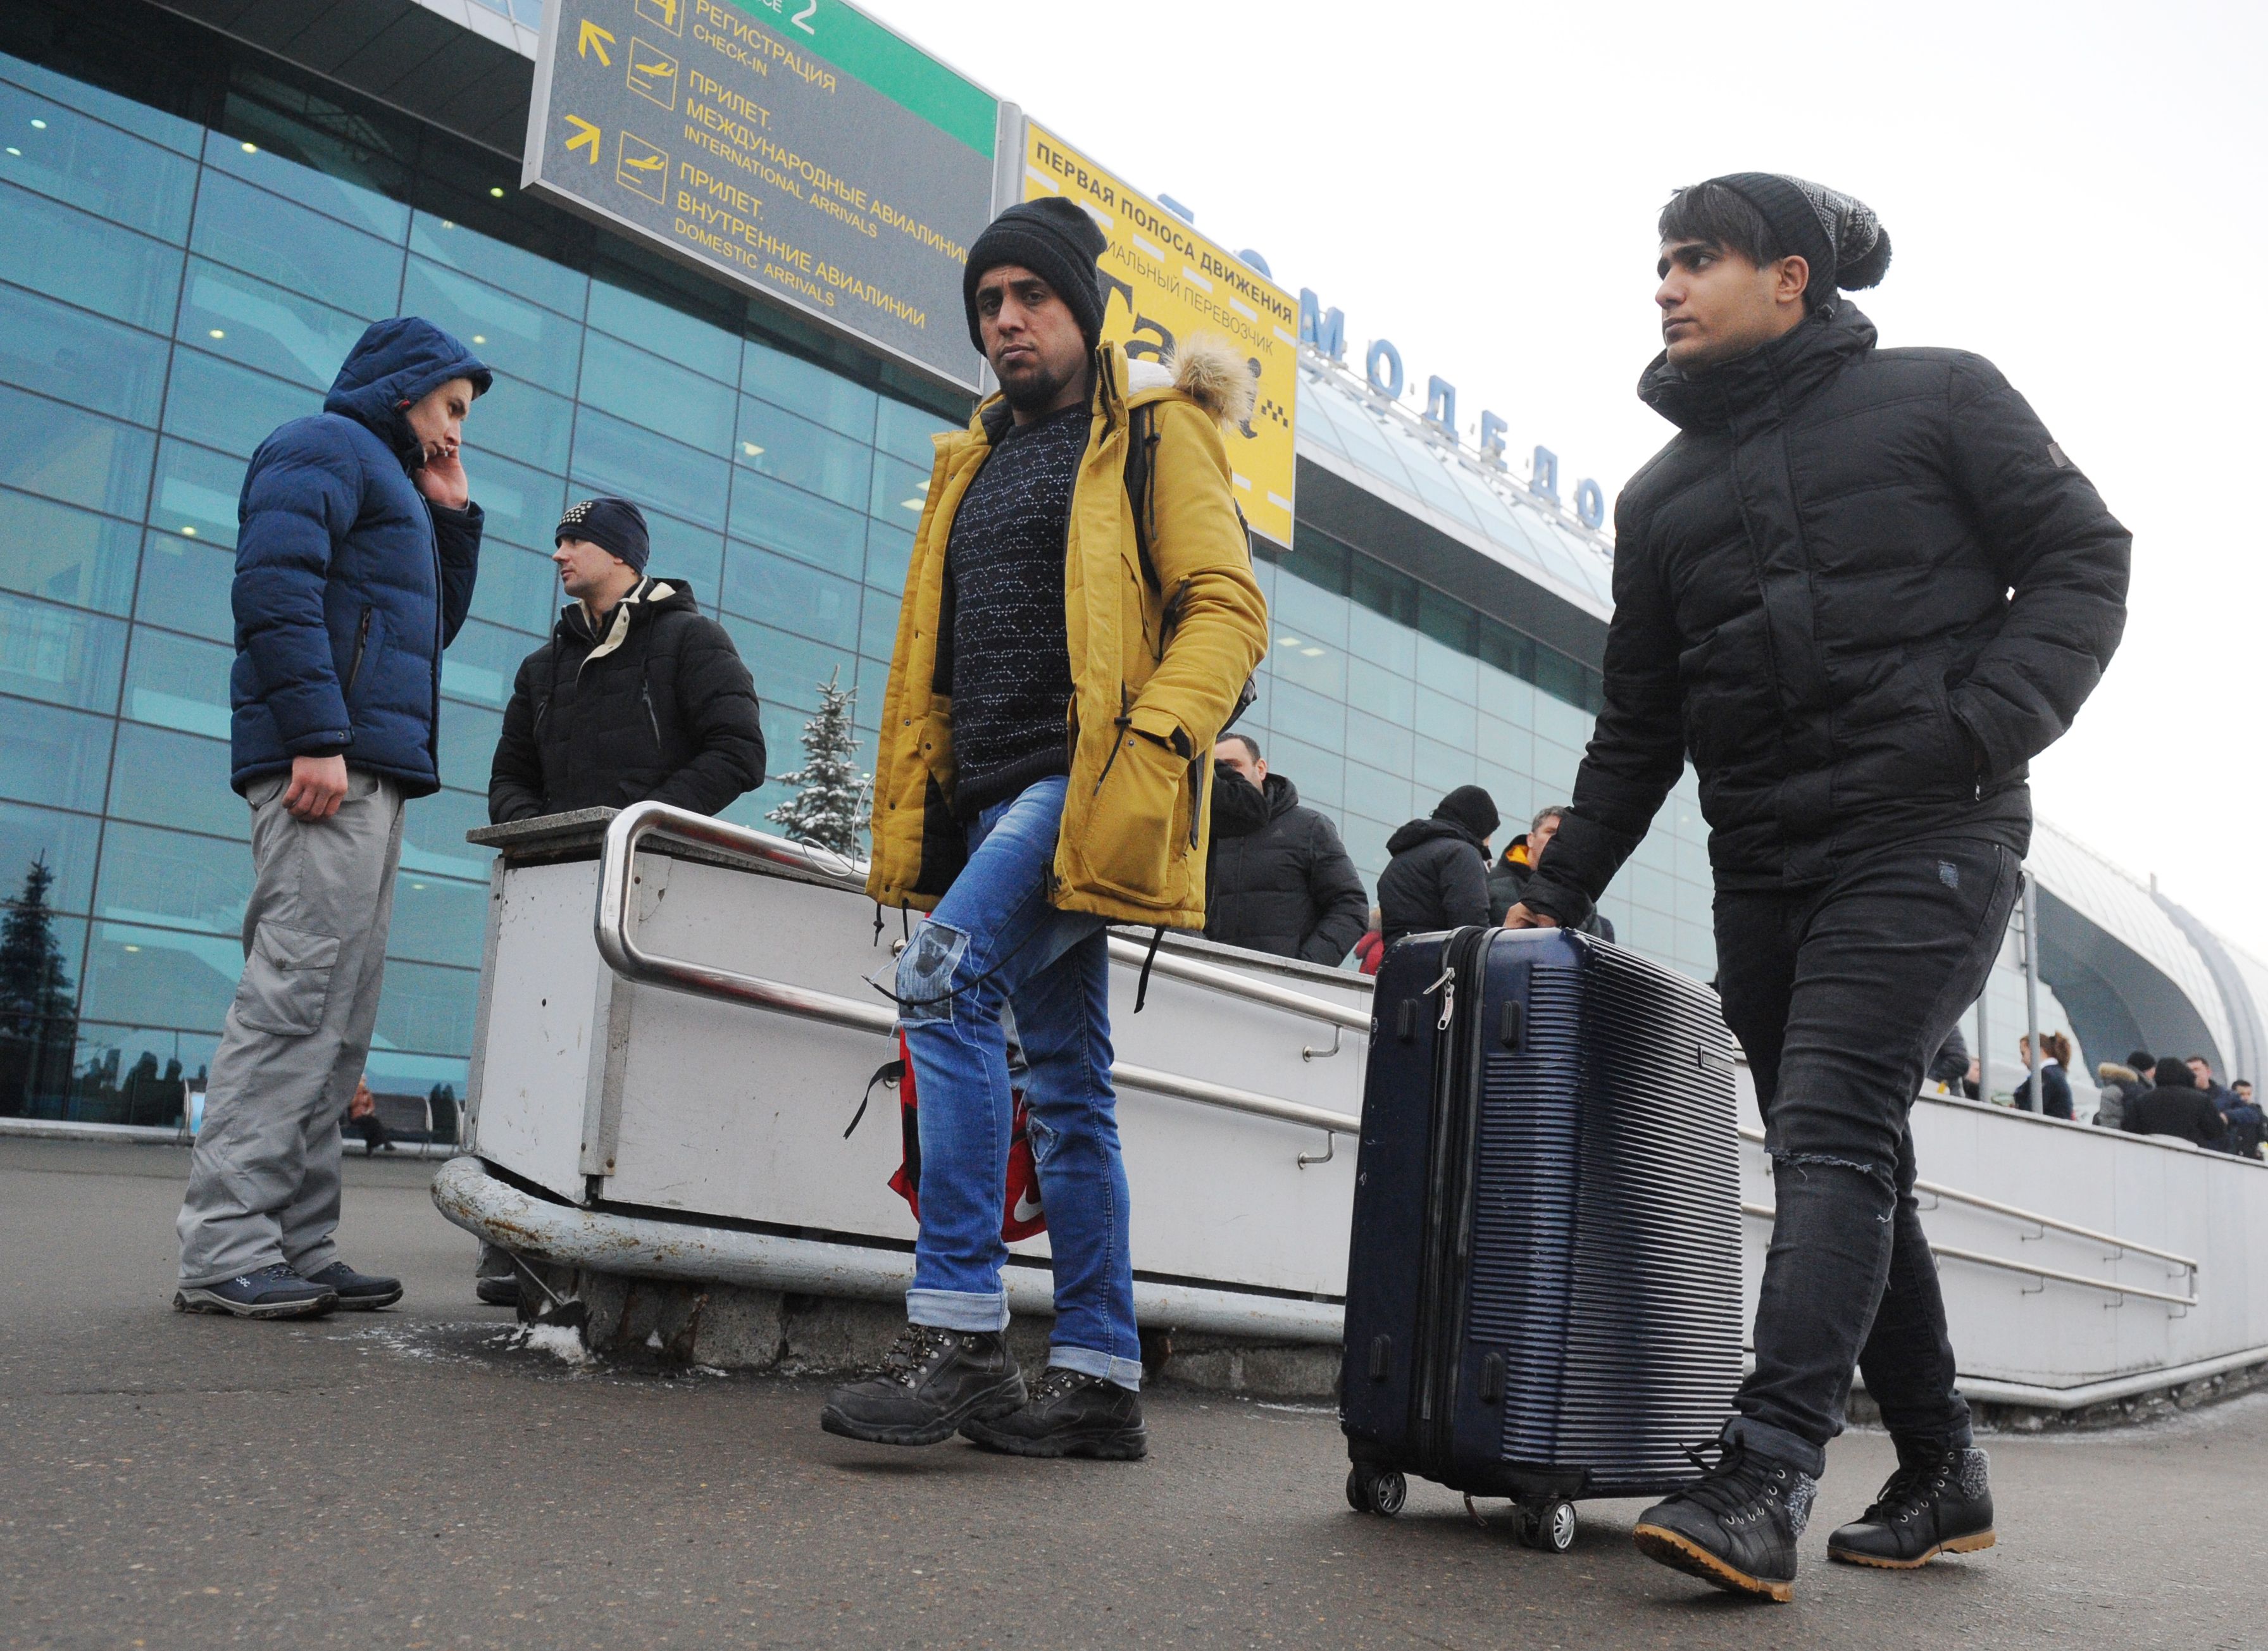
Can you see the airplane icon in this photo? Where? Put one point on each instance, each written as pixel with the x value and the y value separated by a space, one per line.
pixel 642 168
pixel 652 75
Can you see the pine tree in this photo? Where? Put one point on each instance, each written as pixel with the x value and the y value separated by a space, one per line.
pixel 828 811
pixel 38 1015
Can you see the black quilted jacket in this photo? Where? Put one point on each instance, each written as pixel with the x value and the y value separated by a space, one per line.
pixel 1860 590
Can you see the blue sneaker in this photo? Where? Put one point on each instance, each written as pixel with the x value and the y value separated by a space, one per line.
pixel 273 1291
pixel 357 1291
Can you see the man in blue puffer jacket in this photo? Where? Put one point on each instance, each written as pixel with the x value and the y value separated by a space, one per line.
pixel 354 568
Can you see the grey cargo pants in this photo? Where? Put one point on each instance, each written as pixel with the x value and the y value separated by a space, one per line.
pixel 264 1179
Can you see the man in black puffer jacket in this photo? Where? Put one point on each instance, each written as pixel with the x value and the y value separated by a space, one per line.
pixel 636 694
pixel 1438 878
pixel 1278 879
pixel 1859 589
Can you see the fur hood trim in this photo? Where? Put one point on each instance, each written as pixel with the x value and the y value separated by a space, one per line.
pixel 1207 369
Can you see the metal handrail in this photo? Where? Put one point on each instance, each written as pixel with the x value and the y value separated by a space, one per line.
pixel 2018 1213
pixel 1228 980
pixel 1947 1252
pixel 613 923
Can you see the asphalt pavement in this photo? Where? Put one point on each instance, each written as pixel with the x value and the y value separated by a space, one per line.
pixel 426 1478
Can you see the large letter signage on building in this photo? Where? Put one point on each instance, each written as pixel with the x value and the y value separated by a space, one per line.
pixel 1162 283
pixel 795 147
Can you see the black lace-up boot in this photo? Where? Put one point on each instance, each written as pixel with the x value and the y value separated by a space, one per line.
pixel 1070 1414
pixel 1940 1501
pixel 1734 1527
pixel 929 1383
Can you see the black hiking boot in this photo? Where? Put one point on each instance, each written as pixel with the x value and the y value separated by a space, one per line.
pixel 1940 1501
pixel 930 1383
pixel 273 1291
pixel 1070 1414
pixel 1736 1527
pixel 357 1291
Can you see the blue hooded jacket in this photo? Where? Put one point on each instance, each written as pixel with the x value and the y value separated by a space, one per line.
pixel 349 581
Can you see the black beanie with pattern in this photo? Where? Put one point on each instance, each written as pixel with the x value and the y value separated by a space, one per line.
pixel 1836 234
pixel 1056 240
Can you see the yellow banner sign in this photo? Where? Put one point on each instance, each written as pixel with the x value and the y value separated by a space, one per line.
pixel 1165 282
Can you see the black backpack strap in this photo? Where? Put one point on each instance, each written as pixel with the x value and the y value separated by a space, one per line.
pixel 889 1071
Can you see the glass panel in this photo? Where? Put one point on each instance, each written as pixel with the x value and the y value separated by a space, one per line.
pixel 512 334
pixel 1383 642
pixel 438 920
pixel 632 463
pixel 1440 769
pixel 808 455
pixel 481 662
pixel 1308 612
pixel 186 585
pixel 522 423
pixel 59 152
pixel 1557 718
pixel 54 755
pixel 66 555
pixel 889 555
pixel 55 449
pixel 1388 793
pixel 1381 744
pixel 142 972
pixel 688 339
pixel 196 492
pixel 433 835
pixel 173 779
pixel 878 631
pixel 499 263
pixel 777 591
pixel 468 743
pixel 265 327
pixel 1309 664
pixel 1514 793
pixel 520 505
pixel 173 880
pixel 1554 769
pixel 60 654
pixel 393 1072
pixel 88 361
pixel 1319 774
pixel 684 555
pixel 1318 718
pixel 228 407
pixel 313 182
pixel 64 842
pixel 1381 693
pixel 171 130
pixel 1504 744
pixel 649 391
pixel 788 670
pixel 899 494
pixel 136 1074
pixel 810 529
pixel 516 589
pixel 427 1009
pixel 265 235
pixel 815 392
pixel 51 248
pixel 1445 719
pixel 178 683
pixel 1366 846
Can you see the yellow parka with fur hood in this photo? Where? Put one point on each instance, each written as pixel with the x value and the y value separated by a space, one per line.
pixel 1156 667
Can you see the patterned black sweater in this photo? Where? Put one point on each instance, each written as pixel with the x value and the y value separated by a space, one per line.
pixel 1009 670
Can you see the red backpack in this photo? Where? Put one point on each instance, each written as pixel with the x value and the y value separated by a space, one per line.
pixel 1020 1214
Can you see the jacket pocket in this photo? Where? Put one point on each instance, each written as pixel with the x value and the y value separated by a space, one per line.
pixel 361 650
pixel 1137 828
pixel 287 980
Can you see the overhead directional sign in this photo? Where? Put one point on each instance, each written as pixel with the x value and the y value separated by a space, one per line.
pixel 796 148
pixel 1163 282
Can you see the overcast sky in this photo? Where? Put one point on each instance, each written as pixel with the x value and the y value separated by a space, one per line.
pixel 2074 190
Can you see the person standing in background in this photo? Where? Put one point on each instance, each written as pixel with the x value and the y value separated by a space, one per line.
pixel 1438 878
pixel 2055 1051
pixel 1280 880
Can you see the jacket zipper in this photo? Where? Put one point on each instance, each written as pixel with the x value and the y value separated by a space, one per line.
pixel 646 693
pixel 1120 723
pixel 361 641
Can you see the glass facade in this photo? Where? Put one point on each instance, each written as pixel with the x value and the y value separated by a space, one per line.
pixel 190 240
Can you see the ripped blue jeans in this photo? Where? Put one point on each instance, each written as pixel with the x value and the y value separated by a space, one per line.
pixel 1840 994
pixel 994 941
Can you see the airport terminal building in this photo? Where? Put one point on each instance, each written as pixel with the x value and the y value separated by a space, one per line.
pixel 202 205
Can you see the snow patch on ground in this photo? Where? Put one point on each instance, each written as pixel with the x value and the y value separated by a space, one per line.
pixel 562 1343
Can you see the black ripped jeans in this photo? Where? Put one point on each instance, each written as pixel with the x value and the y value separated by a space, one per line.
pixel 1840 994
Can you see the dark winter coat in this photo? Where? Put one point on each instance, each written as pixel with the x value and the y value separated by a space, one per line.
pixel 1278 879
pixel 349 581
pixel 2244 1124
pixel 661 707
pixel 2188 1114
pixel 1812 602
pixel 1438 879
pixel 2117 1089
pixel 1508 883
pixel 2058 1089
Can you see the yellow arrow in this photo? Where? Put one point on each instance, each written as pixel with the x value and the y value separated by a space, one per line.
pixel 588 41
pixel 586 136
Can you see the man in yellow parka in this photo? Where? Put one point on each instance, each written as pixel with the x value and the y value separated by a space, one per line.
pixel 1045 769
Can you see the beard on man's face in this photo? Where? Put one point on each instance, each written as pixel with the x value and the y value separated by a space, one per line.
pixel 1033 388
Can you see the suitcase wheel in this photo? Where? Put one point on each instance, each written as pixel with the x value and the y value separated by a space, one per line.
pixel 1370 1491
pixel 1548 1527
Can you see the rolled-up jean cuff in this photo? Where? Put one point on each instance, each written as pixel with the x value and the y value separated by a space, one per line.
pixel 958 1309
pixel 1777 1443
pixel 1126 1373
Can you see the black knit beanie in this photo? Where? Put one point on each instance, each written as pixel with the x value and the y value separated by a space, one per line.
pixel 1839 237
pixel 614 524
pixel 1472 808
pixel 1054 240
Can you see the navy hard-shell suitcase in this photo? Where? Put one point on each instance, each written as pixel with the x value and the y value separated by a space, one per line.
pixel 1543 1292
